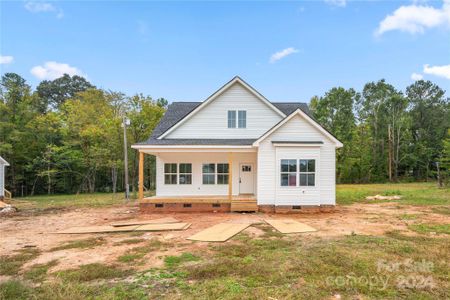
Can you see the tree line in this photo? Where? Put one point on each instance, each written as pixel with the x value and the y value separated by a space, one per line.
pixel 388 135
pixel 66 136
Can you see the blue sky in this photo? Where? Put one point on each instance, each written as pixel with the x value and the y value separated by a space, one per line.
pixel 184 51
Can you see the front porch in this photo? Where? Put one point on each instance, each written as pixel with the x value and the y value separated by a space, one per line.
pixel 237 203
pixel 218 179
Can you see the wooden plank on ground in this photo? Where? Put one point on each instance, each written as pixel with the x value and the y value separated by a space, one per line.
pixel 97 229
pixel 219 233
pixel 143 222
pixel 163 227
pixel 290 226
pixel 3 204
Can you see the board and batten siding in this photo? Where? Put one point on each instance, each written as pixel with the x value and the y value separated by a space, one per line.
pixel 212 120
pixel 197 188
pixel 270 192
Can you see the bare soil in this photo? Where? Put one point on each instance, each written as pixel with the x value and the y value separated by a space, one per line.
pixel 21 231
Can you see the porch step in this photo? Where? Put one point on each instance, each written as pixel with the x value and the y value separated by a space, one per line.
pixel 244 205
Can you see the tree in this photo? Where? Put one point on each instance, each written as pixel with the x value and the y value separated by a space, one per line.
pixel 53 93
pixel 430 117
pixel 334 111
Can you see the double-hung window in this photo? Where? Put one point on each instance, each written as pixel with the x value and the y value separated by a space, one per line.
pixel 231 119
pixel 237 119
pixel 288 172
pixel 304 168
pixel 209 173
pixel 222 174
pixel 170 173
pixel 307 172
pixel 185 176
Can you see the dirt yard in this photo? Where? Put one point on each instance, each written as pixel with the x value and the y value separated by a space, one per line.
pixel 38 231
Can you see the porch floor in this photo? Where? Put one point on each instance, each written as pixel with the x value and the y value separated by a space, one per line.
pixel 200 199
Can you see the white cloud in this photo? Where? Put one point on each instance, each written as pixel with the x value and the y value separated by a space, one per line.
pixel 281 54
pixel 339 3
pixel 6 59
pixel 39 7
pixel 52 70
pixel 440 71
pixel 416 76
pixel 416 18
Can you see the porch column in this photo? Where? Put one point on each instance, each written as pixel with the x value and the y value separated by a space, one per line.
pixel 141 175
pixel 230 176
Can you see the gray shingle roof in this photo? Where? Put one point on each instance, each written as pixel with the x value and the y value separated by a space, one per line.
pixel 178 110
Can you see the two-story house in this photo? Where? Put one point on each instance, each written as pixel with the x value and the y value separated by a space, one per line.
pixel 239 151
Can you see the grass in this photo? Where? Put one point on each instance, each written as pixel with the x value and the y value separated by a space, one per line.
pixel 38 272
pixel 91 272
pixel 173 261
pixel 407 217
pixel 422 193
pixel 443 210
pixel 428 228
pixel 11 264
pixel 81 244
pixel 129 241
pixel 136 254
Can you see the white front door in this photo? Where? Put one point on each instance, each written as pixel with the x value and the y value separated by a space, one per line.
pixel 246 185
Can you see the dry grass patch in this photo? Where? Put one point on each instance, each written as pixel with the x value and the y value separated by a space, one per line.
pixel 11 264
pixel 81 244
pixel 92 272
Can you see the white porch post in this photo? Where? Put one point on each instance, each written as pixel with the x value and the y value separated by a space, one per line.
pixel 230 177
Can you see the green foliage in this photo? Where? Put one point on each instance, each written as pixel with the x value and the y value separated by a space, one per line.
pixel 172 261
pixel 67 136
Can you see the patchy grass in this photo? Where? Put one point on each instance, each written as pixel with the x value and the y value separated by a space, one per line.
pixel 14 289
pixel 173 261
pixel 11 264
pixel 92 272
pixel 423 193
pixel 38 272
pixel 129 242
pixel 135 255
pixel 443 210
pixel 81 244
pixel 408 217
pixel 428 228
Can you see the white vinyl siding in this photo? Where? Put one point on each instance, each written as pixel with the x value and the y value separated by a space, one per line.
pixel 197 160
pixel 212 120
pixel 270 191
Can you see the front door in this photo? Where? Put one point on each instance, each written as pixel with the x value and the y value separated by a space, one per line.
pixel 246 185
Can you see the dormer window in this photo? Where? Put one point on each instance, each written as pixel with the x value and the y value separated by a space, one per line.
pixel 237 119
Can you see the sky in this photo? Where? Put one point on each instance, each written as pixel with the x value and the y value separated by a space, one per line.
pixel 184 51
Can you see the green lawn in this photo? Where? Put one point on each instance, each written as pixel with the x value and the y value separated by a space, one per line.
pixel 422 193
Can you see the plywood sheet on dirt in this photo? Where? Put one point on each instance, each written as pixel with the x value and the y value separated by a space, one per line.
pixel 143 222
pixel 219 233
pixel 98 229
pixel 290 226
pixel 163 227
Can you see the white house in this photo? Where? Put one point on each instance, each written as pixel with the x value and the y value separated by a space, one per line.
pixel 239 151
pixel 3 164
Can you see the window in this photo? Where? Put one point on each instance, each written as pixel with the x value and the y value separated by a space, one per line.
pixel 170 173
pixel 307 172
pixel 242 119
pixel 288 172
pixel 209 173
pixel 185 174
pixel 231 119
pixel 222 173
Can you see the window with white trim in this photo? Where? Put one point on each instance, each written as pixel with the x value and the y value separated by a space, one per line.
pixel 307 172
pixel 185 176
pixel 288 172
pixel 222 173
pixel 242 119
pixel 209 173
pixel 170 173
pixel 231 119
